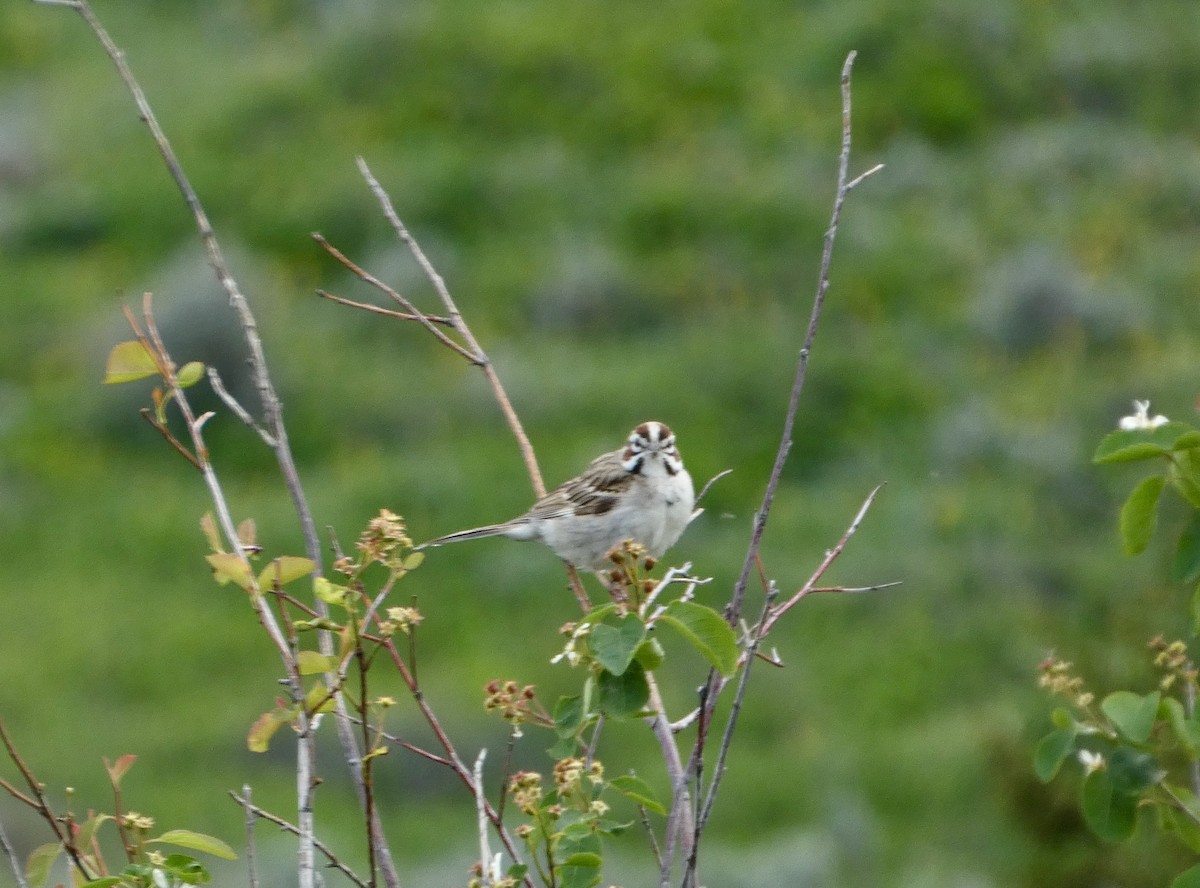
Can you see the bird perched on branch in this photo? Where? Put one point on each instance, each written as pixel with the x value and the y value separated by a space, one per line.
pixel 640 492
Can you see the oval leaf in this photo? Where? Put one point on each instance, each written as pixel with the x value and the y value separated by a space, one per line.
pixel 1109 814
pixel 1138 514
pixel 228 568
pixel 1132 714
pixel 625 695
pixel 707 632
pixel 638 790
pixel 37 865
pixel 1185 566
pixel 614 646
pixel 1127 446
pixel 316 663
pixel 127 362
pixel 185 838
pixel 285 569
pixel 190 374
pixel 1052 750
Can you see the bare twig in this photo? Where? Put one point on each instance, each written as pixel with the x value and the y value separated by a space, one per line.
pixel 456 319
pixel 772 616
pixel 214 379
pixel 40 804
pixel 271 408
pixel 379 309
pixel 256 811
pixel 711 481
pixel 785 445
pixel 251 847
pixel 11 854
pixel 733 609
pixel 481 823
pixel 411 310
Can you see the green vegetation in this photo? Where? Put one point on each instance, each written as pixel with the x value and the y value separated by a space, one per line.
pixel 628 202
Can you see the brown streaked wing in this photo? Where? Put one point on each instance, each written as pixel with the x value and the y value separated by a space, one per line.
pixel 592 493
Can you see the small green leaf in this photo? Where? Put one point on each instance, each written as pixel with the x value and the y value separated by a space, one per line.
pixel 1185 565
pixel 1132 714
pixel 1109 814
pixel 37 865
pixel 316 663
pixel 707 632
pixel 229 568
pixel 614 646
pixel 623 696
pixel 328 592
pixel 1132 772
pixel 584 858
pixel 650 654
pixel 129 361
pixel 319 699
pixel 1186 730
pixel 1138 514
pixel 1127 446
pixel 190 374
pixel 283 570
pixel 1185 477
pixel 413 560
pixel 87 832
pixel 1189 878
pixel 1052 750
pixel 638 790
pixel 1182 822
pixel 185 838
pixel 106 882
pixel 568 716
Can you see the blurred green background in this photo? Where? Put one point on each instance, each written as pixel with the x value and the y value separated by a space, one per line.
pixel 628 201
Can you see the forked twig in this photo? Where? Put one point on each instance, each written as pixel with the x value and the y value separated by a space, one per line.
pixel 733 609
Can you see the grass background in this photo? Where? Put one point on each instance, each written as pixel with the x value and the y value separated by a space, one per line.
pixel 628 202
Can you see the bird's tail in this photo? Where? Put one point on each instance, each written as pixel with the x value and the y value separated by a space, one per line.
pixel 474 533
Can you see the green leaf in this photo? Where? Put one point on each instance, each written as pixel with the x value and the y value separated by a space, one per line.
pixel 1109 814
pixel 568 716
pixel 1185 565
pixel 328 592
pixel 106 882
pixel 623 696
pixel 1182 823
pixel 587 850
pixel 638 790
pixel 584 858
pixel 1052 750
pixel 87 832
pixel 650 654
pixel 285 569
pixel 129 361
pixel 1189 878
pixel 614 647
pixel 185 838
pixel 1132 714
pixel 413 560
pixel 316 663
pixel 1132 772
pixel 1138 514
pixel 1185 477
pixel 1186 730
pixel 190 374
pixel 707 632
pixel 37 865
pixel 229 568
pixel 1127 446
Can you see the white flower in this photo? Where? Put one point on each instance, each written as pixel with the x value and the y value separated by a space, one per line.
pixel 1091 761
pixel 1141 419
